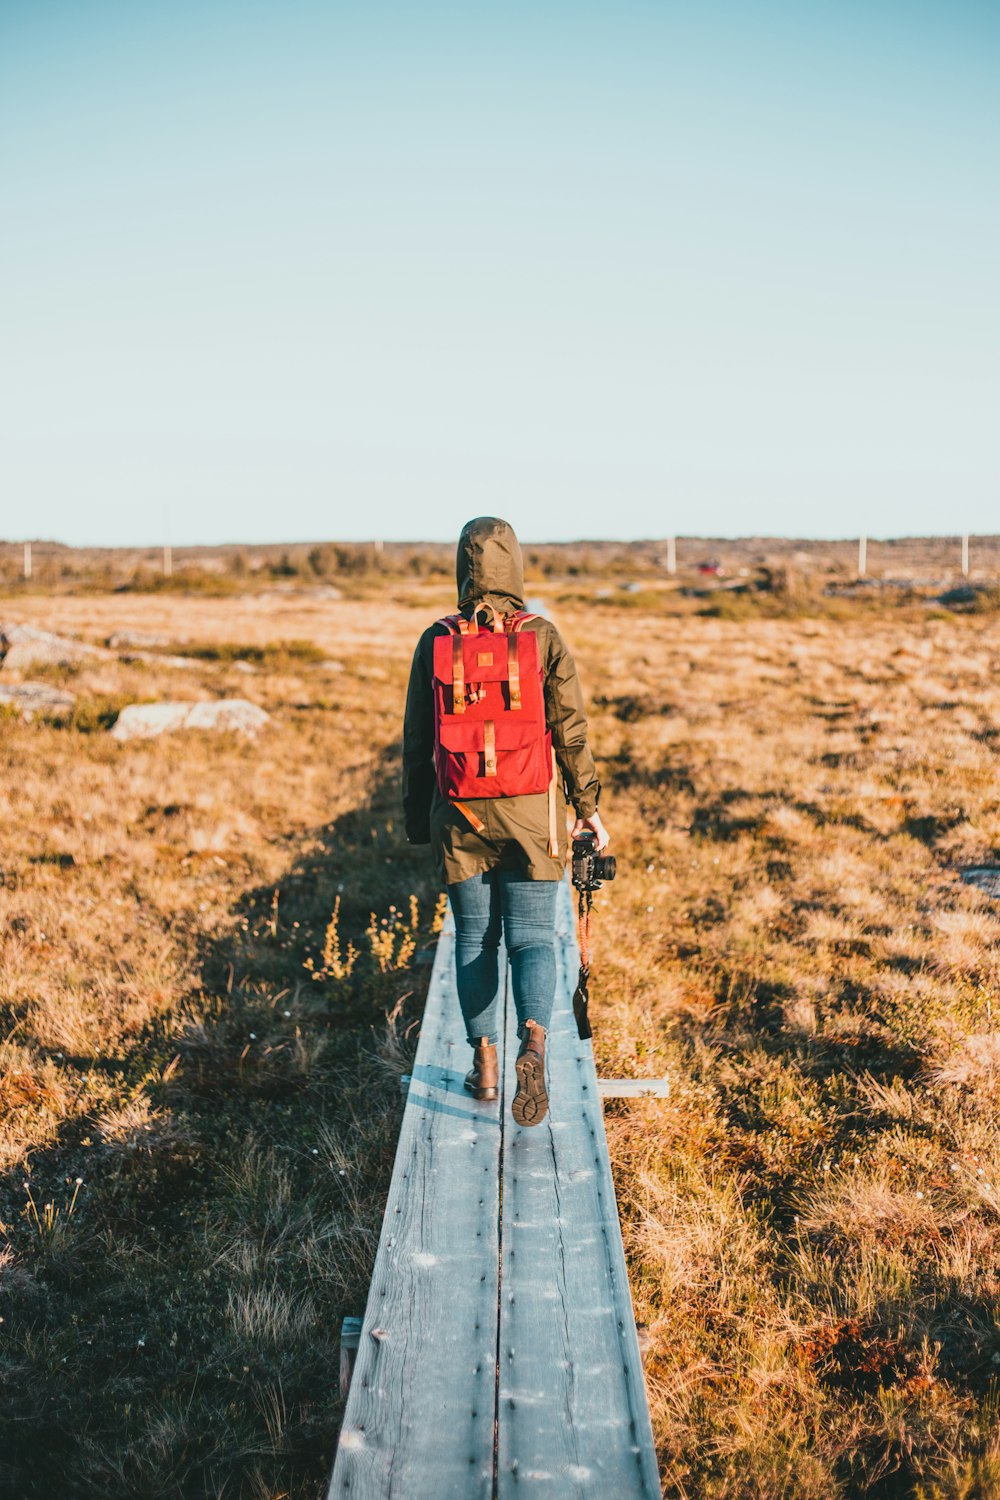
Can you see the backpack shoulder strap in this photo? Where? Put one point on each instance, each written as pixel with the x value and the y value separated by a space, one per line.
pixel 515 621
pixel 454 624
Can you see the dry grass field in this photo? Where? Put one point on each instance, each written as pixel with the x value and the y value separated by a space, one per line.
pixel 199 1063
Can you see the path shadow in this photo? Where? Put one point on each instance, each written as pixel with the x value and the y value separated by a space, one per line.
pixel 445 1080
pixel 433 1088
pixel 180 1335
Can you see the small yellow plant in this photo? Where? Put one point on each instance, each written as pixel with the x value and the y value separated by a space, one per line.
pixel 335 964
pixel 392 940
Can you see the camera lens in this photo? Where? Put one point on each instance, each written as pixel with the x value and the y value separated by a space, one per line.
pixel 604 867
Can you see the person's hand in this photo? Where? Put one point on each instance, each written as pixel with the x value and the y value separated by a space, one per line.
pixel 594 825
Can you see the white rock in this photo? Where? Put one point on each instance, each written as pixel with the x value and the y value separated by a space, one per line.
pixel 21 646
pixel 31 698
pixel 237 714
pixel 144 721
pixel 124 640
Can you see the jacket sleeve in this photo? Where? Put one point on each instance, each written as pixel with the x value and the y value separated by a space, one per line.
pixel 565 716
pixel 418 746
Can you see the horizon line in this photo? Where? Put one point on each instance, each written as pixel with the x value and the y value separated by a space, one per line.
pixel 582 541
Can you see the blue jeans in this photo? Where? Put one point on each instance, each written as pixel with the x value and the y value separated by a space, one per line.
pixel 527 910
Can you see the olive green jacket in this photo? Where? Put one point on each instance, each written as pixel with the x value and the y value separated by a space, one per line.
pixel 515 830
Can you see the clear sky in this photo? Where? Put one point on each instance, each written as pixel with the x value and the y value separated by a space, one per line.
pixel 304 270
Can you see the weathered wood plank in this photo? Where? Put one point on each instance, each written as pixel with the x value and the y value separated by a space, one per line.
pixel 420 1415
pixel 573 1418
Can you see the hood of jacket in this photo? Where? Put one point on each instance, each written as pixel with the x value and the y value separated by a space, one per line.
pixel 488 564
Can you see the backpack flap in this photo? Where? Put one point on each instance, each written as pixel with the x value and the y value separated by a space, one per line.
pixel 464 663
pixel 504 757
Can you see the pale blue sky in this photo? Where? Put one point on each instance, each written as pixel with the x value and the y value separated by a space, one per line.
pixel 304 270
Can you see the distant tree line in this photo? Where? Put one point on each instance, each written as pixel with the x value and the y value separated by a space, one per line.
pixel 778 564
pixel 231 568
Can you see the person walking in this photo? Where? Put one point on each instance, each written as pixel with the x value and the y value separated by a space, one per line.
pixel 494 728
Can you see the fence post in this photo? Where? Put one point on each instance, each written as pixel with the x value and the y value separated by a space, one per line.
pixel 27 559
pixel 862 556
pixel 965 556
pixel 168 561
pixel 671 554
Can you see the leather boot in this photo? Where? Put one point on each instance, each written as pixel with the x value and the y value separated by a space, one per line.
pixel 483 1078
pixel 531 1102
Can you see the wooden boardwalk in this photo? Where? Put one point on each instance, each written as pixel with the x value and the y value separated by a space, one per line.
pixel 498 1354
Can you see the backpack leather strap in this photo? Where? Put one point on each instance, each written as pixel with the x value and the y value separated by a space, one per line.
pixel 513 671
pixel 489 747
pixel 477 825
pixel 457 675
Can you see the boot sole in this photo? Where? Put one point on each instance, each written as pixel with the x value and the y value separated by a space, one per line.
pixel 493 1093
pixel 531 1102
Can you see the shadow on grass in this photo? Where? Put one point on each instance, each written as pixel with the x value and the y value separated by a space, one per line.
pixel 177 1333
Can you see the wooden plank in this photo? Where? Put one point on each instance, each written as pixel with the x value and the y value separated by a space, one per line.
pixel 421 1411
pixel 573 1418
pixel 566 1406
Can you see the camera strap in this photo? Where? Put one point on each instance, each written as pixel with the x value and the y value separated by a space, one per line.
pixel 581 995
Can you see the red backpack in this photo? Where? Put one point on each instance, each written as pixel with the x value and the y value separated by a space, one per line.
pixel 490 735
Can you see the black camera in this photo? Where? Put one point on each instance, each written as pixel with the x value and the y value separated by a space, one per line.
pixel 590 869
